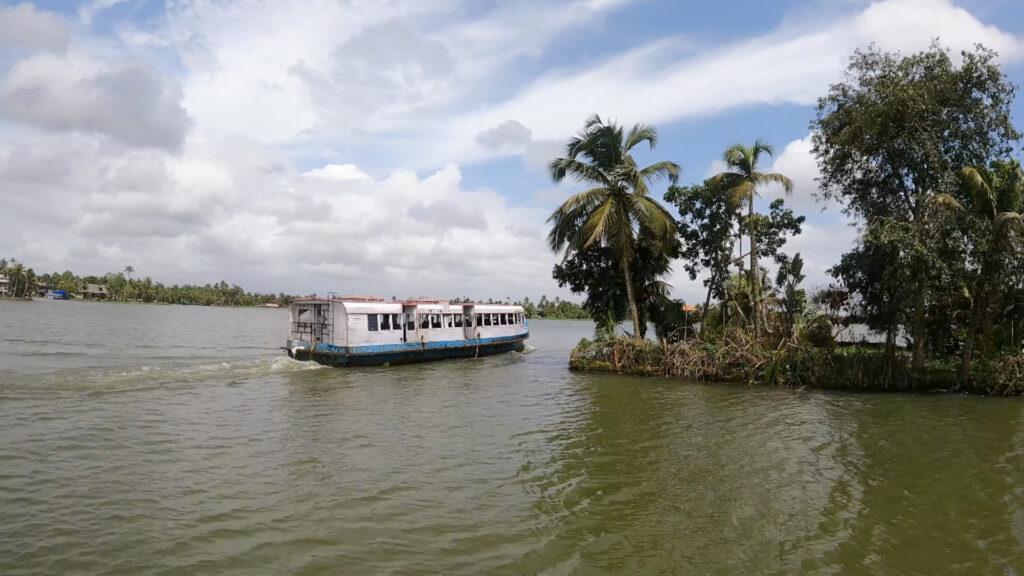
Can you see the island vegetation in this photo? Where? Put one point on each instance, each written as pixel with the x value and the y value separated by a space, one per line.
pixel 120 286
pixel 917 150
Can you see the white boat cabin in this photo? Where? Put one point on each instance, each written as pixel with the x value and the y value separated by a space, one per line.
pixel 349 321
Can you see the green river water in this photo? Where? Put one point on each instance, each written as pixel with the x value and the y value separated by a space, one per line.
pixel 141 439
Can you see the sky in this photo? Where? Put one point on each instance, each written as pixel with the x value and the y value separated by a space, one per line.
pixel 399 147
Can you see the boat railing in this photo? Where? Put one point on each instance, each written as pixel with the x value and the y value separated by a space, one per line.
pixel 316 331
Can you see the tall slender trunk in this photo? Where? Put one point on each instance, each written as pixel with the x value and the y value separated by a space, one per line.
pixel 917 323
pixel 890 353
pixel 633 310
pixel 969 339
pixel 707 305
pixel 917 328
pixel 755 288
pixel 725 307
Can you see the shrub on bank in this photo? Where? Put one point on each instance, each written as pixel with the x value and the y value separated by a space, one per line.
pixel 791 364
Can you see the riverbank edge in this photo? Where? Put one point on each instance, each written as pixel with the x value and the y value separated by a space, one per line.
pixel 793 365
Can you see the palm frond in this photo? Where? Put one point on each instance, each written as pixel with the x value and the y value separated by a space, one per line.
pixel 1012 219
pixel 762 147
pixel 658 170
pixel 640 133
pixel 578 170
pixel 734 156
pixel 659 288
pixel 652 216
pixel 979 185
pixel 600 222
pixel 775 177
pixel 946 201
pixel 585 200
pixel 743 191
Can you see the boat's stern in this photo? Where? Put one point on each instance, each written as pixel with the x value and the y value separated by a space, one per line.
pixel 299 349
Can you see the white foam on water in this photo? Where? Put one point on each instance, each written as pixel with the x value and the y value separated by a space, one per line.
pixel 286 364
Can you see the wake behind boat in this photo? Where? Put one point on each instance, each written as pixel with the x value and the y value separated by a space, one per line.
pixel 367 331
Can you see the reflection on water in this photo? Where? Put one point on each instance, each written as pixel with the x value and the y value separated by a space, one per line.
pixel 164 440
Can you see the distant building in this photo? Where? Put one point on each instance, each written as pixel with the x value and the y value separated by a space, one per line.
pixel 95 292
pixel 5 286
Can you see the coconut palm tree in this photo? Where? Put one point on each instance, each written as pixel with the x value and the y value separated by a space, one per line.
pixel 616 207
pixel 996 198
pixel 128 271
pixel 741 181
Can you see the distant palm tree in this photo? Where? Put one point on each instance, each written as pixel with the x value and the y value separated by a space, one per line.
pixel 741 181
pixel 616 207
pixel 128 271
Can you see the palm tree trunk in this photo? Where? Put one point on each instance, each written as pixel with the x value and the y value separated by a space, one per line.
pixel 969 339
pixel 917 329
pixel 707 304
pixel 633 310
pixel 755 288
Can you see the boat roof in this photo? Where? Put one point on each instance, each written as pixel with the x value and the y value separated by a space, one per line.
pixel 368 304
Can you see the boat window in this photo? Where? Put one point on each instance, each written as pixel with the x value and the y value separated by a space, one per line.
pixel 435 320
pixel 396 322
pixel 502 319
pixel 424 321
pixel 371 322
pixel 446 321
pixel 494 319
pixel 487 319
pixel 410 321
pixel 458 320
pixel 385 321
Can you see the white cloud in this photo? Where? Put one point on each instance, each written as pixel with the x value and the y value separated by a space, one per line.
pixel 338 172
pixel 203 215
pixel 24 27
pixel 126 101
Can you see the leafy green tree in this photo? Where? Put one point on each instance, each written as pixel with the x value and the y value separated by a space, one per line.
pixel 890 138
pixel 706 222
pixel 595 272
pixel 741 182
pixel 617 207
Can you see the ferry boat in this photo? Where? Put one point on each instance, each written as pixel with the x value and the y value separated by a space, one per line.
pixel 367 331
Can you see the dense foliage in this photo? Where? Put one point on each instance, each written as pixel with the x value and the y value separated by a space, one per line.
pixel 917 149
pixel 556 309
pixel 121 287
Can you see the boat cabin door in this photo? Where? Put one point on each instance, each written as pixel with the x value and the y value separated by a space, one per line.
pixel 409 323
pixel 469 330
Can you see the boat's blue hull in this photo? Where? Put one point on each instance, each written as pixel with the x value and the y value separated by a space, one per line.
pixel 405 353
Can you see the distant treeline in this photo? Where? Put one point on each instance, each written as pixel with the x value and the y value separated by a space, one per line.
pixel 24 282
pixel 556 309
